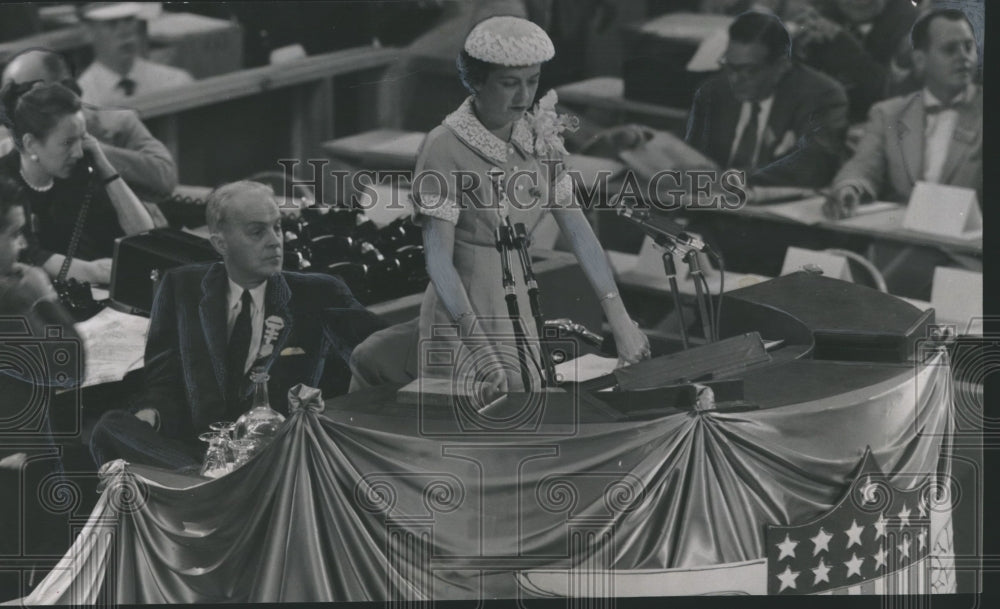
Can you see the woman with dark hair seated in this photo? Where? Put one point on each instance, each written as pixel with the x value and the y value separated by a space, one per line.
pixel 77 204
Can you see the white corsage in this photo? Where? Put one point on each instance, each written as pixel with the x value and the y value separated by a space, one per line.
pixel 548 126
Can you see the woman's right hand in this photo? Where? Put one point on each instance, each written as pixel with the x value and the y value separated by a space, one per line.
pixel 490 372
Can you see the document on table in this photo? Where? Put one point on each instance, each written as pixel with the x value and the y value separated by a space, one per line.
pixel 810 211
pixel 114 343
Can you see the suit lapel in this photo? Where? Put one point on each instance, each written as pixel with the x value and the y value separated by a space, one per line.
pixel 968 131
pixel 910 130
pixel 212 311
pixel 725 137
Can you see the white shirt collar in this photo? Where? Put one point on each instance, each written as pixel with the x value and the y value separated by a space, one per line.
pixel 236 294
pixel 931 100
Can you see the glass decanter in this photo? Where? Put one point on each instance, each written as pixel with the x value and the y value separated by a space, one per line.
pixel 261 423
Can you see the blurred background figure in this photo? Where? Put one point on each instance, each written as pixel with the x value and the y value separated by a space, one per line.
pixel 118 70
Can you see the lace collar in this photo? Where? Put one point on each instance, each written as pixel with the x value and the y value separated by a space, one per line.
pixel 467 127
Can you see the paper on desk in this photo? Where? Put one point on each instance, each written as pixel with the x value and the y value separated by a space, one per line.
pixel 810 211
pixel 584 368
pixel 114 343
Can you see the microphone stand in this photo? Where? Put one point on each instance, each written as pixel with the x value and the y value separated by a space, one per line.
pixel 504 243
pixel 521 241
pixel 691 257
pixel 670 269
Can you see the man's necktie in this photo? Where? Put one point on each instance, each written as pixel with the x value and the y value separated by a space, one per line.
pixel 743 155
pixel 236 358
pixel 127 85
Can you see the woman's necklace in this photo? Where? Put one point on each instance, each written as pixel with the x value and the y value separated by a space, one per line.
pixel 45 188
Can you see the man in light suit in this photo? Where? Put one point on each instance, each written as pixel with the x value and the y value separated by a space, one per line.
pixel 212 323
pixel 933 135
pixel 783 123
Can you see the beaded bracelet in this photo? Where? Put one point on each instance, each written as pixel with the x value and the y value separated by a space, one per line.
pixel 609 296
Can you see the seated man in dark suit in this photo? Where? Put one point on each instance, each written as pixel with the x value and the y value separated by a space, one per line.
pixel 212 322
pixel 861 43
pixel 783 123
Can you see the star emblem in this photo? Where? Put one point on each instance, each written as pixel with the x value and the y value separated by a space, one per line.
pixel 880 526
pixel 787 578
pixel 821 541
pixel 854 534
pixel 904 548
pixel 921 510
pixel 787 548
pixel 904 516
pixel 854 565
pixel 821 572
pixel 879 558
pixel 922 539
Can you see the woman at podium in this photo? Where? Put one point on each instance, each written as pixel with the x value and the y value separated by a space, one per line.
pixel 495 162
pixel 77 202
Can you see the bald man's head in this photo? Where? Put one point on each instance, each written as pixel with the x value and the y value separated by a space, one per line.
pixel 36 64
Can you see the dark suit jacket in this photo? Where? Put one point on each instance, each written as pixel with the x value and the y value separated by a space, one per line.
pixel 185 360
pixel 862 66
pixel 803 140
pixel 889 159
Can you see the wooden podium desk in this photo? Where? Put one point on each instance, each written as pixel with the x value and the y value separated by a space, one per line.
pixel 605 95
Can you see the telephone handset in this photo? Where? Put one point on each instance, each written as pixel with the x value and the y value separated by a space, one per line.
pixel 76 295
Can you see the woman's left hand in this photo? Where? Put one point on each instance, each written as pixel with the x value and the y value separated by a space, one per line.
pixel 632 344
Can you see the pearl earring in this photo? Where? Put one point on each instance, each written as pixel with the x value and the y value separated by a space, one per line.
pixel 33 157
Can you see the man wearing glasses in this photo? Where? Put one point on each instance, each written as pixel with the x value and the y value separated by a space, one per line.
pixel 118 71
pixel 782 123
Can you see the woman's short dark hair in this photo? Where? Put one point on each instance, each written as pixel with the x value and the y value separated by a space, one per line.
pixel 11 195
pixel 472 71
pixel 755 27
pixel 35 108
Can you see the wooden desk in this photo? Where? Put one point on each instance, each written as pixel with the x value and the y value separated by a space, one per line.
pixel 608 93
pixel 229 126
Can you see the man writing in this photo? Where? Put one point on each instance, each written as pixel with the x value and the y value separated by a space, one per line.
pixel 208 329
pixel 783 123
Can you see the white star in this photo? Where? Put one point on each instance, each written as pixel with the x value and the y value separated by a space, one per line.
pixel 921 509
pixel 854 534
pixel 922 539
pixel 787 578
pixel 880 526
pixel 821 541
pixel 879 558
pixel 904 516
pixel 821 572
pixel 854 565
pixel 787 548
pixel 904 548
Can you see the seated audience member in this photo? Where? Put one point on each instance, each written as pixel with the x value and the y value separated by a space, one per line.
pixel 77 202
pixel 781 122
pixel 144 162
pixel 28 310
pixel 118 72
pixel 207 331
pixel 862 44
pixel 933 135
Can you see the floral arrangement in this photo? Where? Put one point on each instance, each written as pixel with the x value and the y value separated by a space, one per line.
pixel 548 126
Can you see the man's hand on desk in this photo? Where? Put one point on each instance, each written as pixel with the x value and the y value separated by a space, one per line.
pixel 28 285
pixel 843 201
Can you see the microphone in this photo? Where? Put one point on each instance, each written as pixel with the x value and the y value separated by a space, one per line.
pixel 656 225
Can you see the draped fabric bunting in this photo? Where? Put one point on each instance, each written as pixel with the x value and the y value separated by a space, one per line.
pixel 348 506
